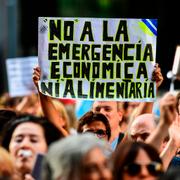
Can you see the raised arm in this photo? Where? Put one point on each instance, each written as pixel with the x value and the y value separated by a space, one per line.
pixel 167 116
pixel 173 144
pixel 48 107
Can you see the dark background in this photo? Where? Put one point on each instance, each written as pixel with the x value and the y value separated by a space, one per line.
pixel 167 13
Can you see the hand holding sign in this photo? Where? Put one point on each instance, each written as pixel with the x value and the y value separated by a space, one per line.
pixel 36 75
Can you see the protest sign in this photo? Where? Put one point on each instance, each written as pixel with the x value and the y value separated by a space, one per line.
pixel 19 74
pixel 97 58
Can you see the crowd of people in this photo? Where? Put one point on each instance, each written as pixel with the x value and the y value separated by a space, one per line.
pixel 42 140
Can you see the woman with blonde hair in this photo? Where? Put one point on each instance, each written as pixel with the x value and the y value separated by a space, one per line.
pixel 62 112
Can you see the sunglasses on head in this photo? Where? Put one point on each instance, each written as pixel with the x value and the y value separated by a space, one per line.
pixel 99 132
pixel 154 168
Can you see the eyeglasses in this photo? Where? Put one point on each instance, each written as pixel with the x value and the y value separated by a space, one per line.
pixel 100 133
pixel 154 168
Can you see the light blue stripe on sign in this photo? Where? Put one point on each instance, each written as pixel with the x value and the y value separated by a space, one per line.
pixel 151 24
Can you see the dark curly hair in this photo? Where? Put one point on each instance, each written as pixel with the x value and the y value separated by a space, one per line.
pixel 90 117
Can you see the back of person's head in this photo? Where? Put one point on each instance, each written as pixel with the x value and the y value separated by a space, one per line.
pixel 6 165
pixel 127 152
pixel 5 116
pixel 90 117
pixel 64 158
pixel 51 133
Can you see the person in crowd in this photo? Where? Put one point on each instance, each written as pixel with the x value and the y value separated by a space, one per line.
pixel 53 115
pixel 62 113
pixel 136 161
pixel 145 128
pixel 168 116
pixel 7 168
pixel 114 113
pixel 6 115
pixel 48 107
pixel 95 123
pixel 142 126
pixel 7 102
pixel 24 138
pixel 3 100
pixel 28 104
pixel 111 109
pixel 70 106
pixel 175 163
pixel 168 126
pixel 25 104
pixel 173 145
pixel 78 157
pixel 128 109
